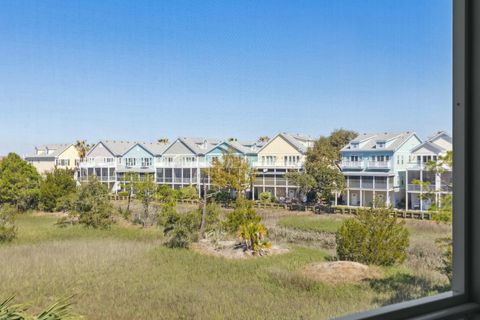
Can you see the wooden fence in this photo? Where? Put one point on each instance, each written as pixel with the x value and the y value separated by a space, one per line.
pixel 406 214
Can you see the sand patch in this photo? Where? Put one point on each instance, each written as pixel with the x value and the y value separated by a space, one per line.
pixel 231 249
pixel 337 272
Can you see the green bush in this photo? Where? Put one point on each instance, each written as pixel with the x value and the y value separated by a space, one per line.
pixel 123 194
pixel 57 185
pixel 187 193
pixel 92 205
pixel 265 197
pixel 374 236
pixel 243 213
pixel 166 193
pixel 181 229
pixel 212 220
pixel 8 231
pixel 221 196
pixel 445 245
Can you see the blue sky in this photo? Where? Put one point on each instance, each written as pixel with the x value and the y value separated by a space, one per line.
pixel 142 70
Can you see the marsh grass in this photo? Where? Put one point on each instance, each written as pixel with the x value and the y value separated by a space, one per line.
pixel 312 223
pixel 125 273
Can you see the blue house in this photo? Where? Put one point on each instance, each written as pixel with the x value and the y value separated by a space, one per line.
pixel 374 167
pixel 246 150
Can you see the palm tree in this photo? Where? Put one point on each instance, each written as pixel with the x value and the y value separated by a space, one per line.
pixel 82 148
pixel 264 138
pixel 163 140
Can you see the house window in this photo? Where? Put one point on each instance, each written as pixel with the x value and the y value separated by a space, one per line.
pixel 130 162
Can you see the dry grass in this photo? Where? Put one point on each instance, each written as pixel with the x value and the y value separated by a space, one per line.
pixel 125 273
pixel 337 272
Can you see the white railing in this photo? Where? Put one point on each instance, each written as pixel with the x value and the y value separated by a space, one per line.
pixel 416 165
pixel 417 187
pixel 181 164
pixel 378 164
pixel 351 164
pixel 96 163
pixel 281 164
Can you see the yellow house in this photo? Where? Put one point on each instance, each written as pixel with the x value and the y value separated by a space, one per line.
pixel 47 157
pixel 281 154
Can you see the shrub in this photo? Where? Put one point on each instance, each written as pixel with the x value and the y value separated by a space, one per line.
pixel 373 237
pixel 212 220
pixel 166 194
pixel 189 192
pixel 265 197
pixel 253 234
pixel 123 194
pixel 8 230
pixel 221 196
pixel 57 184
pixel 445 245
pixel 243 213
pixel 92 205
pixel 181 229
pixel 145 192
pixel 443 213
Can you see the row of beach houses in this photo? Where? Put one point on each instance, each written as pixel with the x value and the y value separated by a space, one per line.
pixel 376 166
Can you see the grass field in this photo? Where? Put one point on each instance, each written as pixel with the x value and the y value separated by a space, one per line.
pixel 126 273
pixel 312 223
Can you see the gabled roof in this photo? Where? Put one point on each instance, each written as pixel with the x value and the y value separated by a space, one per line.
pixel 432 146
pixel 58 150
pixel 156 148
pixel 195 145
pixel 394 141
pixel 242 148
pixel 293 139
pixel 141 145
pixel 439 134
pixel 115 147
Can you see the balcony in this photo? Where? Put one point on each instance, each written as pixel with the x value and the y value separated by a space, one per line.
pixel 380 165
pixel 277 164
pixel 416 187
pixel 355 165
pixel 97 163
pixel 182 164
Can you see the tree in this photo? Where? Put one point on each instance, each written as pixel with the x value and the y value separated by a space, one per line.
pixel 339 138
pixel 129 180
pixel 232 173
pixel 374 236
pixel 92 205
pixel 19 182
pixel 57 185
pixel 264 138
pixel 82 148
pixel 321 176
pixel 145 191
pixel 163 140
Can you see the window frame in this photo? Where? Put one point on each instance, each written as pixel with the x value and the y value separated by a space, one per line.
pixel 463 300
